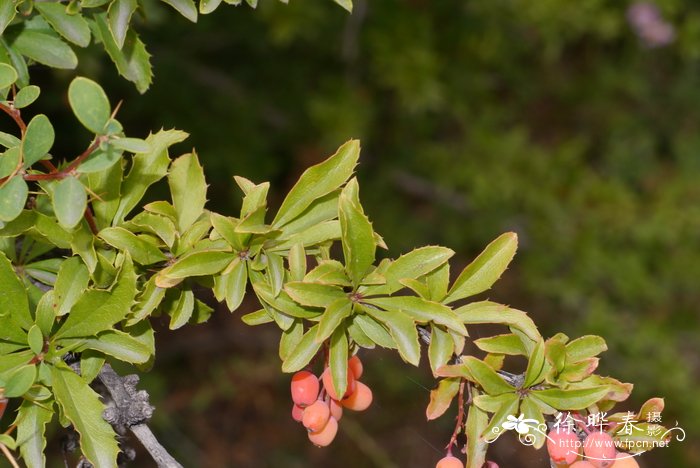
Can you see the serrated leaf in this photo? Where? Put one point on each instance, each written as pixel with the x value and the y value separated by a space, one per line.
pixel 141 251
pixel 31 424
pixel 491 312
pixel 69 202
pixel 97 311
pixel 403 331
pixel 536 366
pixel 156 224
pixel 119 16
pixel 440 349
pixel 26 96
pixel 486 377
pixel 89 104
pixel 441 398
pixel 555 352
pixel 374 331
pixel 570 399
pixel 485 270
pixel 38 139
pixel 132 60
pixel 318 181
pixel 303 352
pixel 422 311
pixel 585 347
pixel 42 46
pixel 328 272
pixel 357 236
pixel 415 264
pixel 508 344
pixel 188 188
pixel 186 8
pixel 132 145
pixel 332 317
pixel 8 75
pixel 82 406
pixel 73 28
pixel 338 360
pixel 314 294
pixel 13 197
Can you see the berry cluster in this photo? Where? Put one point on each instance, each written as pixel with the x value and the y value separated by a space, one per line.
pixel 318 406
pixel 599 450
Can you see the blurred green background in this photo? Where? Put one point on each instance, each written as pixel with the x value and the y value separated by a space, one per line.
pixel 550 118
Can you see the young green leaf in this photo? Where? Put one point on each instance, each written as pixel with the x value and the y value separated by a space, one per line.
pixel 13 196
pixel 491 312
pixel 317 181
pixel 83 408
pixel 486 377
pixel 585 347
pixel 415 264
pixel 374 330
pixel 119 16
pixel 440 349
pixel 73 28
pixel 480 275
pixel 332 317
pixel 359 245
pixel 89 104
pixel 188 188
pixel 303 352
pixel 233 284
pixel 338 360
pixel 69 202
pixel 403 331
pixel 26 96
pixel 537 365
pixel 38 139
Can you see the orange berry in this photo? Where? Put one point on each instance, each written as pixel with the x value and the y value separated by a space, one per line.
pixel 297 412
pixel 360 399
pixel 304 388
pixel 336 409
pixel 563 446
pixel 599 449
pixel 328 385
pixel 316 416
pixel 450 462
pixel 625 460
pixel 355 366
pixel 326 435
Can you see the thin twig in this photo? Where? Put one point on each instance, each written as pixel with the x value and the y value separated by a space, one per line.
pixel 15 114
pixel 9 456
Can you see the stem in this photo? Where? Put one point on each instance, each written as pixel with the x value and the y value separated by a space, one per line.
pixel 9 456
pixel 460 417
pixel 91 220
pixel 15 114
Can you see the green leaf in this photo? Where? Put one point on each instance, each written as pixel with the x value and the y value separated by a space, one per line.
pixel 233 284
pixel 208 6
pixel 329 272
pixel 485 270
pixel 146 169
pixel 83 408
pixel 415 264
pixel 532 411
pixel 536 366
pixel 20 381
pixel 290 339
pixel 183 310
pixel 259 317
pixel 422 311
pixel 338 360
pixel 43 46
pixel 358 240
pixel 570 399
pixel 13 299
pixel 132 59
pixel 38 139
pixel 132 145
pixel 45 316
pixel 585 347
pixel 73 28
pixel 89 104
pixel 97 311
pixel 9 141
pixel 142 251
pixel 440 349
pixel 403 331
pixel 147 302
pixel 477 420
pixel 119 345
pixel 26 96
pixel 186 8
pixel 486 377
pixel 374 331
pixel 13 196
pixel 31 425
pixel 333 317
pixel 317 181
pixel 491 312
pixel 303 352
pixel 283 302
pixel 508 344
pixel 347 4
pixel 7 14
pixel 441 398
pixel 297 262
pixel 8 75
pixel 69 202
pixel 509 407
pixel 188 188
pixel 35 339
pixel 119 16
pixel 314 294
pixel 195 264
pixel 156 224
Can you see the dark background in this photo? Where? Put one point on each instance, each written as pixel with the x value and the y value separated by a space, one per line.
pixel 554 119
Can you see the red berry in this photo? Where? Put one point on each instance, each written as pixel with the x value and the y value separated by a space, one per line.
pixel 304 388
pixel 316 416
pixel 355 366
pixel 336 409
pixel 563 446
pixel 328 385
pixel 360 399
pixel 625 460
pixel 450 462
pixel 599 449
pixel 297 412
pixel 326 435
